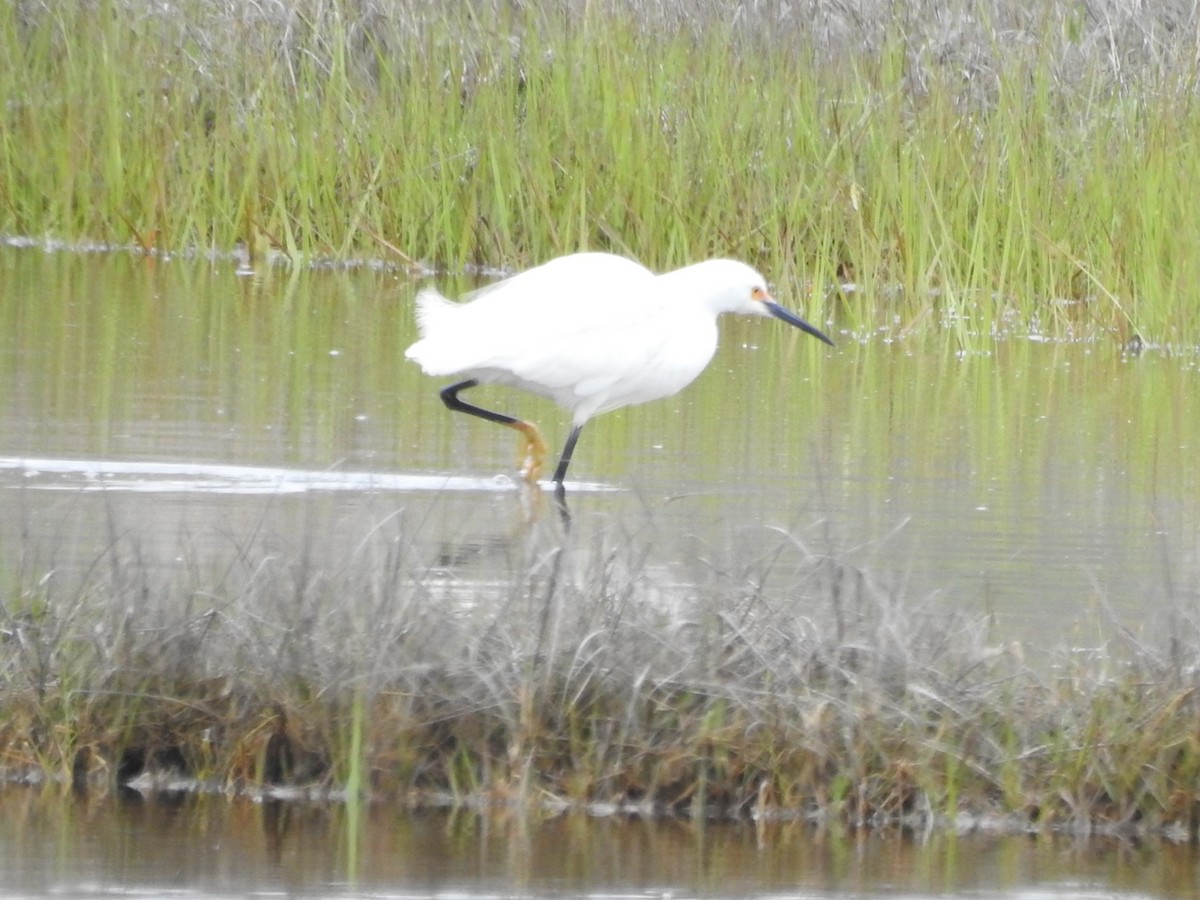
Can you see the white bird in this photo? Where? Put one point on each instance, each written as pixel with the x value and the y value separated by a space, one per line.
pixel 591 331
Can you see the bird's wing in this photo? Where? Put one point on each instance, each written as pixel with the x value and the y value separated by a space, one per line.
pixel 542 326
pixel 604 366
pixel 578 291
pixel 545 282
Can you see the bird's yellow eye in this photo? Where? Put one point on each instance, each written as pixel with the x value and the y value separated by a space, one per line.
pixel 758 294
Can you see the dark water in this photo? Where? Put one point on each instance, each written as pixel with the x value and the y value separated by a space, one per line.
pixel 210 846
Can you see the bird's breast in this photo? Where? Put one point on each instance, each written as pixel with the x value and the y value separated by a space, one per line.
pixel 666 367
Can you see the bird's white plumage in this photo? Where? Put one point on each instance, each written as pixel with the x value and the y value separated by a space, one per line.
pixel 539 330
pixel 591 331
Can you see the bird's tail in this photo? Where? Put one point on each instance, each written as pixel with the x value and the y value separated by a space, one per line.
pixel 429 352
pixel 432 310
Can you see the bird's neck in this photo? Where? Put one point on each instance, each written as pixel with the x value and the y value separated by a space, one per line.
pixel 690 288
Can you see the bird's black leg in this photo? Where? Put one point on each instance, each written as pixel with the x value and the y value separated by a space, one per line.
pixel 560 472
pixel 450 398
pixel 560 503
pixel 535 445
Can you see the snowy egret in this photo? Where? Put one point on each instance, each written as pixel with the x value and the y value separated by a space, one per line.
pixel 591 331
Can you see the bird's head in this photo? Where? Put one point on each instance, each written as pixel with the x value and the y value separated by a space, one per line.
pixel 737 288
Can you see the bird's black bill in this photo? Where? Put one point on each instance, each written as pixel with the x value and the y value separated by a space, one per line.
pixel 792 319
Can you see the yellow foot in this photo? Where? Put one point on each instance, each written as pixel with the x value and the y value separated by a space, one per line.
pixel 533 454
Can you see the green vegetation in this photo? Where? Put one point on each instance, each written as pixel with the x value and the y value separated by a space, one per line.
pixel 587 680
pixel 979 169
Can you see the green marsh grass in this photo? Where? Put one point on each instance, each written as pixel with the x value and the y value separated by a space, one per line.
pixel 975 168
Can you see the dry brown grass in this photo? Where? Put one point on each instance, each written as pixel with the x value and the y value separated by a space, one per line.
pixel 583 680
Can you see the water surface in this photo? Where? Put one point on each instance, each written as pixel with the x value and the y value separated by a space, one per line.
pixel 210 846
pixel 180 404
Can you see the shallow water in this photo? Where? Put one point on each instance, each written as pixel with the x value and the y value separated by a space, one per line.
pixel 187 413
pixel 182 405
pixel 209 846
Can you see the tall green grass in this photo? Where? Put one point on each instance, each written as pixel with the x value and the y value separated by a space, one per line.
pixel 973 169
